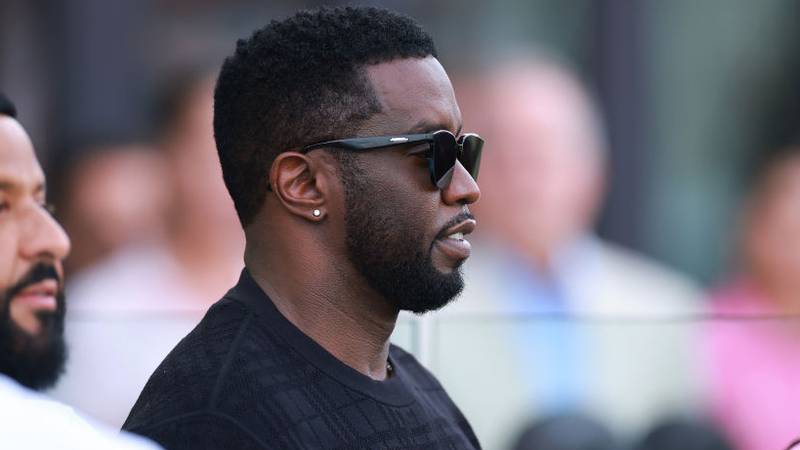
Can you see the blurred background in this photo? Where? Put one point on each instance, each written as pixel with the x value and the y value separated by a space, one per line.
pixel 645 150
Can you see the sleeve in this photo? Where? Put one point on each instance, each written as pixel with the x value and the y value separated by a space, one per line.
pixel 201 431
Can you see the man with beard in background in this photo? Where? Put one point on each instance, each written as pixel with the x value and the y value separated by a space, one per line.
pixel 341 146
pixel 32 350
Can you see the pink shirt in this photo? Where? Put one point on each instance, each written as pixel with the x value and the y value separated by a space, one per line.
pixel 755 371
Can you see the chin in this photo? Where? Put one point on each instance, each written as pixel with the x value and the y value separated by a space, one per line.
pixel 433 294
pixel 35 360
pixel 449 267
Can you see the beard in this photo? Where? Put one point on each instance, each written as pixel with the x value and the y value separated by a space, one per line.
pixel 35 361
pixel 388 247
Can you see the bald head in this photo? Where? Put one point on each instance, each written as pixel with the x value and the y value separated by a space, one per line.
pixel 540 92
pixel 547 155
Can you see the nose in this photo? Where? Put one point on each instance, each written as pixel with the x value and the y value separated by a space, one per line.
pixel 43 237
pixel 463 189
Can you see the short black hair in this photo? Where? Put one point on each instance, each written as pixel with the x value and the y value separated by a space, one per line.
pixel 301 80
pixel 6 107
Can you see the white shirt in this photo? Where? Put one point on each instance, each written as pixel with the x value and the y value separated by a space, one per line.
pixel 29 420
pixel 123 317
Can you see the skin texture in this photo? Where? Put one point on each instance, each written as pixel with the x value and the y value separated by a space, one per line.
pixel 28 233
pixel 771 234
pixel 302 262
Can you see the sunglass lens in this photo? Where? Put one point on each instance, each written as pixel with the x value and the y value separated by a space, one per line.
pixel 470 157
pixel 444 158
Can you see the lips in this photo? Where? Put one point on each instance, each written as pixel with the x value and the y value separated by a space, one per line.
pixel 41 295
pixel 451 241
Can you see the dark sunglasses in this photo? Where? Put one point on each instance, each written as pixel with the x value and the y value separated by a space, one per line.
pixel 443 151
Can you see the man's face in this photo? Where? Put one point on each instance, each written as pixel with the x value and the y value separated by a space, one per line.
pixel 538 118
pixel 402 232
pixel 32 246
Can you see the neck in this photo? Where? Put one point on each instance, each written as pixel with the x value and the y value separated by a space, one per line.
pixel 209 265
pixel 335 308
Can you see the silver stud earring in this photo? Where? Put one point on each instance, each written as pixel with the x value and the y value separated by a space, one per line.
pixel 316 213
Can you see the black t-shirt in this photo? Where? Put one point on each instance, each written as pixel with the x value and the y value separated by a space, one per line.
pixel 247 378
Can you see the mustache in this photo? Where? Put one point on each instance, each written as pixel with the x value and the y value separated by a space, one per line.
pixel 462 216
pixel 38 273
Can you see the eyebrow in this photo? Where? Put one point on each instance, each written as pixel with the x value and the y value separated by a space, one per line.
pixel 425 126
pixel 10 186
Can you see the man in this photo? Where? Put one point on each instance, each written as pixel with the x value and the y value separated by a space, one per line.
pixel 336 130
pixel 32 350
pixel 540 267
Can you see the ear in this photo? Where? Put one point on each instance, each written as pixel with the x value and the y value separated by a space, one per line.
pixel 301 183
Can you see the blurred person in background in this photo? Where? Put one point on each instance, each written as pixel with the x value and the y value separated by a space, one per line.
pixel 543 292
pixel 683 434
pixel 566 432
pixel 113 196
pixel 130 309
pixel 755 365
pixel 32 305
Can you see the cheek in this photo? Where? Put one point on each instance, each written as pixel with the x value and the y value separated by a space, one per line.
pixel 423 218
pixel 8 255
pixel 411 211
pixel 25 318
pixel 402 192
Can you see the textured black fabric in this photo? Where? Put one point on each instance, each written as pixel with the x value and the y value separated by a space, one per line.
pixel 246 378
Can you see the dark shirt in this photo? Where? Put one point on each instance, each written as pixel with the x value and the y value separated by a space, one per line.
pixel 247 378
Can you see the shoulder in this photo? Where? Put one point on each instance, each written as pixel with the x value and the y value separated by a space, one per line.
pixel 421 377
pixel 187 378
pixel 24 412
pixel 638 281
pixel 201 431
pixel 644 267
pixel 122 273
pixel 430 393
